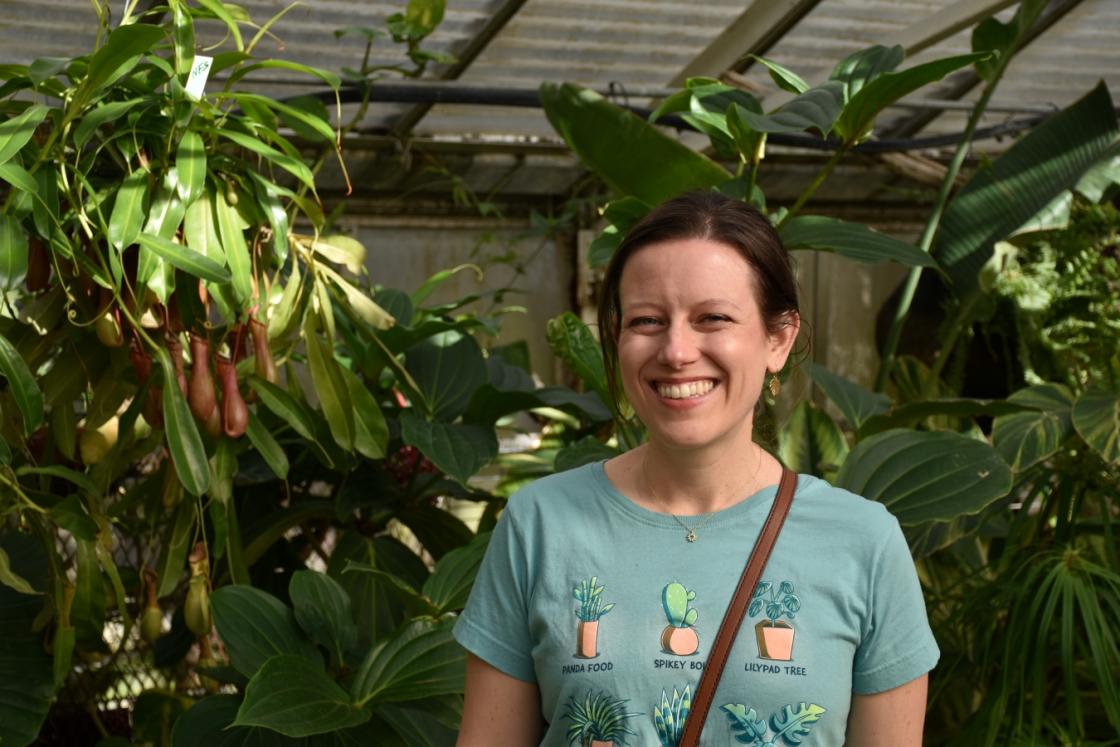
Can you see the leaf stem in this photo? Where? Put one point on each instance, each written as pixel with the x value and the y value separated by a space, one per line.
pixel 823 174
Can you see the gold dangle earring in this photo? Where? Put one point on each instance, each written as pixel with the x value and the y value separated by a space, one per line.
pixel 775 386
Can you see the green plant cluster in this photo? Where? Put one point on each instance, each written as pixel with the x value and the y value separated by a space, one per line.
pixel 669 717
pixel 598 717
pixel 590 598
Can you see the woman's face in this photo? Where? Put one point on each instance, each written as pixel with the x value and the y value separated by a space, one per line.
pixel 693 350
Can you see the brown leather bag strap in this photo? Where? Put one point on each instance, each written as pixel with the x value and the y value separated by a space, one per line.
pixel 736 610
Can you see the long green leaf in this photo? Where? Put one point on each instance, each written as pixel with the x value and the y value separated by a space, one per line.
pixel 852 240
pixel 185 258
pixel 861 67
pixel 120 53
pixel 926 475
pixel 293 166
pixel 451 581
pixel 13 580
pixel 183 441
pixel 422 661
pixel 129 210
pixel 321 128
pixel 26 393
pixel 371 432
pixel 1096 416
pixel 234 246
pixel 17 131
pixel 173 549
pixel 219 11
pixel 104 114
pixel 294 696
pixel 322 609
pixel 190 162
pixel 631 155
pixel 1000 198
pixel 284 406
pixel 267 447
pixel 334 395
pixel 13 252
pixel 882 91
pixel 256 626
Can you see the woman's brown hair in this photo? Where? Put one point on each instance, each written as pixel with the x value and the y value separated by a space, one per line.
pixel 715 217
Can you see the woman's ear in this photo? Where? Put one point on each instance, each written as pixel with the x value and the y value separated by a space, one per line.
pixel 781 341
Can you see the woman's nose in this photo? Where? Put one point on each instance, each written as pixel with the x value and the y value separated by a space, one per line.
pixel 679 345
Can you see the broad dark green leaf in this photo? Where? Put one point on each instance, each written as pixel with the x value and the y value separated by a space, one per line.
pixel 451 581
pixel 208 723
pixel 631 155
pixel 87 611
pixel 129 210
pixel 255 626
pixel 331 388
pixel 190 162
pixel 233 244
pixel 22 385
pixel 371 432
pixel 377 604
pixel 19 178
pixel 584 451
pixel 852 240
pixel 861 109
pixel 458 450
pixel 1001 197
pixel 433 722
pixel 185 258
pixel 285 406
pixel 26 678
pixel 1025 438
pixel 121 51
pixel 183 440
pixel 266 445
pixel 811 442
pixel 926 475
pixel 815 109
pixel 782 76
pixel 448 368
pixel 17 131
pixel 104 114
pixel 173 549
pixel 322 609
pixel 855 403
pixel 13 253
pixel 911 413
pixel 422 661
pixel 437 529
pixel 295 697
pixel 1096 416
pixel 573 343
pixel 860 68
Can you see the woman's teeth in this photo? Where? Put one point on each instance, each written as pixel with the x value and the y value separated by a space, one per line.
pixel 683 391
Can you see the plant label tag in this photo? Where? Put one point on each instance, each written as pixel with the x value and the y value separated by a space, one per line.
pixel 200 71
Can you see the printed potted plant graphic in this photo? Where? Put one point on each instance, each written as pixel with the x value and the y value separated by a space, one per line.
pixel 598 721
pixel 669 717
pixel 591 608
pixel 775 638
pixel 678 637
pixel 790 725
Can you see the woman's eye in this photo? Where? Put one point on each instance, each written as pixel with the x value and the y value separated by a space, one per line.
pixel 713 318
pixel 642 321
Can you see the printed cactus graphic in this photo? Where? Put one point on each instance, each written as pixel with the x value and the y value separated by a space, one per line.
pixel 669 717
pixel 774 637
pixel 678 637
pixel 591 608
pixel 599 720
pixel 791 724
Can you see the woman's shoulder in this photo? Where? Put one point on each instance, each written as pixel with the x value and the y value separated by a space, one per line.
pixel 836 504
pixel 558 491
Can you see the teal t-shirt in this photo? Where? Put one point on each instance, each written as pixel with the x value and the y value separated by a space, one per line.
pixel 611 612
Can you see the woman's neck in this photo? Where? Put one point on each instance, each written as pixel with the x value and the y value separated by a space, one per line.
pixel 688 483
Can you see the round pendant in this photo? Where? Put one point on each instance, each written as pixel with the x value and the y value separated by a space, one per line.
pixel 691 536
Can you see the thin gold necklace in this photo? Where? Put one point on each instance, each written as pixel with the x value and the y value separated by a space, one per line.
pixel 691 530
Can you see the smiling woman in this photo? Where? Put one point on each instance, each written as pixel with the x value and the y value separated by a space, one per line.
pixel 699 308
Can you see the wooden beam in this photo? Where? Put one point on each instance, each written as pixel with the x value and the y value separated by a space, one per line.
pixel 944 23
pixel 756 30
pixel 464 58
pixel 965 82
